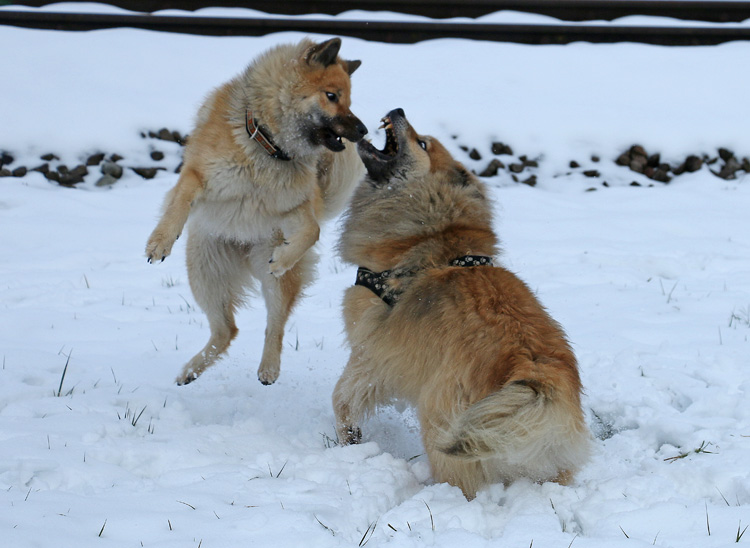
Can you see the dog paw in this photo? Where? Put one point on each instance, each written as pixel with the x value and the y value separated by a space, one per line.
pixel 284 257
pixel 268 374
pixel 186 377
pixel 159 247
pixel 350 435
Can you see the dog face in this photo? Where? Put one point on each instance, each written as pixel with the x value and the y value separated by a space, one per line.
pixel 414 190
pixel 326 87
pixel 406 155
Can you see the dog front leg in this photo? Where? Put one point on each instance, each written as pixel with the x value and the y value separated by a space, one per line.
pixel 301 231
pixel 357 393
pixel 176 210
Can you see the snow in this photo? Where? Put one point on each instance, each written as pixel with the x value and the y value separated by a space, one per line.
pixel 652 285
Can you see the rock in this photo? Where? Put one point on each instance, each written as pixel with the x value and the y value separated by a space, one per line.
pixel 654 160
pixel 531 181
pixel 95 159
pixel 474 154
pixel 637 150
pixel 19 171
pixel 499 148
pixel 573 164
pixel 725 154
pixel 49 157
pixel 492 168
pixel 623 159
pixel 44 168
pixel 746 164
pixel 638 163
pixel 516 168
pixel 661 176
pixel 52 176
pixel 112 169
pixel 6 159
pixel 115 158
pixel 105 180
pixel 710 161
pixel 4 172
pixel 729 169
pixel 595 159
pixel 592 173
pixel 635 183
pixel 166 135
pixel 693 163
pixel 74 176
pixel 147 172
pixel 157 155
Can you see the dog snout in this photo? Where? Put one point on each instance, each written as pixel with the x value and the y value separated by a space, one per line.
pixel 361 129
pixel 351 128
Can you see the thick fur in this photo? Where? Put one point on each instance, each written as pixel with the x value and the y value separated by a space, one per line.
pixel 254 217
pixel 492 376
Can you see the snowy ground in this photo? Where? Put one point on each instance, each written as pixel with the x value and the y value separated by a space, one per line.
pixel 652 285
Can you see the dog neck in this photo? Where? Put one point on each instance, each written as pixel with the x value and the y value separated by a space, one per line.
pixel 378 282
pixel 255 133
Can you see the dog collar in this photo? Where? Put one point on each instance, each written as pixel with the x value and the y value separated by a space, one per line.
pixel 377 282
pixel 255 133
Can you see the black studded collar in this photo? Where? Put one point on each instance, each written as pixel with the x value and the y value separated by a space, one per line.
pixel 377 282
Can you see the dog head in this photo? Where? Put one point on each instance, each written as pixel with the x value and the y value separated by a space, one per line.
pixel 406 154
pixel 417 204
pixel 326 87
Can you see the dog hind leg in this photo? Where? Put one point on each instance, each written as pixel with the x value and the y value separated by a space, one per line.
pixel 219 274
pixel 465 474
pixel 280 295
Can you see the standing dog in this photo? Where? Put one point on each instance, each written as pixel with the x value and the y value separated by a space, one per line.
pixel 431 321
pixel 263 166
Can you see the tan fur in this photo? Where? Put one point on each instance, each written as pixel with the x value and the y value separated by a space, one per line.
pixel 491 375
pixel 251 216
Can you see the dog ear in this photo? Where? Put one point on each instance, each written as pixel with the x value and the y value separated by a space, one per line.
pixel 325 53
pixel 351 66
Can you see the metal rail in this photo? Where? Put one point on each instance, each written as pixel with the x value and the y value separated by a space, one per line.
pixel 566 10
pixel 384 31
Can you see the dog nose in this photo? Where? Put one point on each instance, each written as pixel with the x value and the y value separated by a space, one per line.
pixel 361 129
pixel 399 111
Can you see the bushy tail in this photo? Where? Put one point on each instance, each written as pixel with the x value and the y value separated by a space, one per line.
pixel 496 423
pixel 526 424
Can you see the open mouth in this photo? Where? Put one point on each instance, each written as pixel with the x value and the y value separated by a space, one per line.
pixel 330 140
pixel 391 147
pixel 391 141
pixel 382 164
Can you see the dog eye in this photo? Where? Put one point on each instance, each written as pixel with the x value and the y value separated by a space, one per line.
pixel 332 97
pixel 421 143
